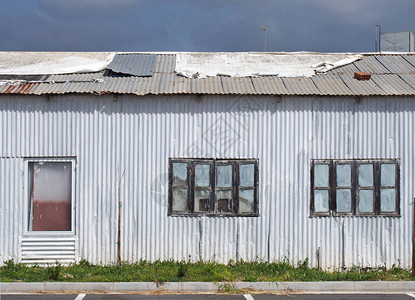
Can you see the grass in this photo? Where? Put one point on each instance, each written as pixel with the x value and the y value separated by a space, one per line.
pixel 163 271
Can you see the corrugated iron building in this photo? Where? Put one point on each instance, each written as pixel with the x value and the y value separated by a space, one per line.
pixel 117 131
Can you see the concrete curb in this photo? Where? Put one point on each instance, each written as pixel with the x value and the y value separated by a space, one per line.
pixel 211 287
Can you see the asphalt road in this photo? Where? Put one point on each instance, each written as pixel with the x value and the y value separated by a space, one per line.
pixel 210 297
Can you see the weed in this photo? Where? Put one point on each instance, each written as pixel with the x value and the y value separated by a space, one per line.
pixel 53 272
pixel 182 271
pixel 9 264
pixel 208 271
pixel 84 263
pixel 229 288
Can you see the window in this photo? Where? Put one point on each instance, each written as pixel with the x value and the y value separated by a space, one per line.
pixel 355 187
pixel 50 193
pixel 213 187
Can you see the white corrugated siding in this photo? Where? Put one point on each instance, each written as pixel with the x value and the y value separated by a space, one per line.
pixel 136 136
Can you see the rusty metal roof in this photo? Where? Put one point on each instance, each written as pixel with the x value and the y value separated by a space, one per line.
pixel 269 85
pixel 331 85
pixel 142 74
pixel 300 86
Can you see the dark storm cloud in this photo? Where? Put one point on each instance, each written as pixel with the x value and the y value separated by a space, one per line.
pixel 191 25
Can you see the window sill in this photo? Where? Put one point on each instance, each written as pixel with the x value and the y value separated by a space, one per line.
pixel 354 216
pixel 49 233
pixel 212 215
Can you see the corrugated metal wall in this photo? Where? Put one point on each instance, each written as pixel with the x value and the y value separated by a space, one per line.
pixel 135 137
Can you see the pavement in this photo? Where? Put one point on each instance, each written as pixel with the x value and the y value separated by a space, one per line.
pixel 208 297
pixel 350 290
pixel 210 287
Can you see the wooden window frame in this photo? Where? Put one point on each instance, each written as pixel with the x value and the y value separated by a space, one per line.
pixel 213 201
pixel 333 163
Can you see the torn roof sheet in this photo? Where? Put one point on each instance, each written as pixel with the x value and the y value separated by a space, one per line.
pixel 133 64
pixel 242 64
pixel 42 63
pixel 392 75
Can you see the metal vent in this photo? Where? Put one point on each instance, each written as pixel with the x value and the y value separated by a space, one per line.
pixel 43 250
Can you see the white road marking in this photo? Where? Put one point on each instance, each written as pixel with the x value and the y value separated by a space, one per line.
pixel 248 297
pixel 80 297
pixel 411 295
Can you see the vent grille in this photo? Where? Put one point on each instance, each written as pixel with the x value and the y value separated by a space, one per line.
pixel 42 251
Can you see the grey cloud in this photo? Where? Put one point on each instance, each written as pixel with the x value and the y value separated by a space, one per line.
pixel 196 25
pixel 82 5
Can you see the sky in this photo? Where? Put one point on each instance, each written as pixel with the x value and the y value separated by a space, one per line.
pixel 200 25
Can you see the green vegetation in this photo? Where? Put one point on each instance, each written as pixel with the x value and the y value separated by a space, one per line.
pixel 162 271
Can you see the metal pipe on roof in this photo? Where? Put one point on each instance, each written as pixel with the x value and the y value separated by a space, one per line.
pixel 377 38
pixel 264 28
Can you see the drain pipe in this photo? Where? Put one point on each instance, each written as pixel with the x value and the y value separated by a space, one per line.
pixel 343 260
pixel 318 258
pixel 413 238
pixel 119 220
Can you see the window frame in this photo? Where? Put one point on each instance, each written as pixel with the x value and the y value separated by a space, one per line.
pixel 351 187
pixel 27 196
pixel 213 201
pixel 355 188
pixel 376 199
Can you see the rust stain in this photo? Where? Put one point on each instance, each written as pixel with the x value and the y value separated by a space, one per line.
pixel 24 89
pixel 104 93
pixel 9 89
pixel 20 89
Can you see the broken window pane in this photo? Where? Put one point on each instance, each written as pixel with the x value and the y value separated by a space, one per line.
pixel 179 200
pixel 246 175
pixel 202 175
pixel 246 201
pixel 224 199
pixel 180 174
pixel 50 196
pixel 203 186
pixel 321 175
pixel 366 175
pixel 359 187
pixel 344 200
pixel 344 175
pixel 321 200
pixel 387 200
pixel 224 176
pixel 202 200
pixel 366 201
pixel 387 175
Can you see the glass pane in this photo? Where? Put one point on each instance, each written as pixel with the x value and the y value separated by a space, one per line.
pixel 366 201
pixel 321 175
pixel 246 201
pixel 180 174
pixel 51 196
pixel 202 175
pixel 246 175
pixel 344 200
pixel 387 175
pixel 344 175
pixel 224 176
pixel 387 200
pixel 202 200
pixel 366 175
pixel 321 201
pixel 224 199
pixel 179 200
